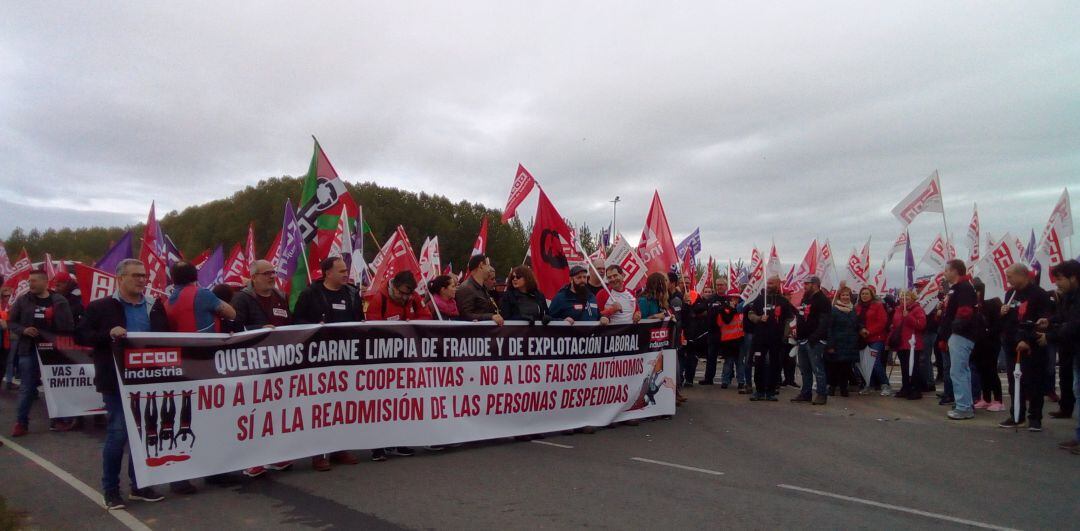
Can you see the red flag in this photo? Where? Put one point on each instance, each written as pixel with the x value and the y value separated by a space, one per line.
pixel 233 274
pixel 550 233
pixel 50 267
pixel 808 267
pixel 523 184
pixel 755 278
pixel 94 283
pixel 151 253
pixel 688 268
pixel 657 247
pixel 480 245
pixel 199 260
pixel 395 256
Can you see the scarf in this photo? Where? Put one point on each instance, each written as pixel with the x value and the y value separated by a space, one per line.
pixel 844 307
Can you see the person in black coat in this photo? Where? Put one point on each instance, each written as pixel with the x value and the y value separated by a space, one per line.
pixel 522 301
pixel 105 323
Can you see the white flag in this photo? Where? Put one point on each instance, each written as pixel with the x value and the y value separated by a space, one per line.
pixel 627 257
pixel 936 255
pixel 998 258
pixel 898 245
pixel 924 198
pixel 755 281
pixel 973 236
pixel 430 266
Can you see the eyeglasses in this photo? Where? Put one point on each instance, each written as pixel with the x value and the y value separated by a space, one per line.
pixel 267 273
pixel 516 277
pixel 137 275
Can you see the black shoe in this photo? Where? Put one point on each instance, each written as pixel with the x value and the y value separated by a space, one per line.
pixel 832 391
pixel 914 396
pixel 182 487
pixel 378 454
pixel 792 384
pixel 688 384
pixel 146 494
pixel 820 400
pixel 800 398
pixel 844 392
pixel 405 451
pixel 1061 414
pixel 1010 423
pixel 770 398
pixel 1035 425
pixel 757 397
pixel 705 382
pixel 724 386
pixel 113 501
pixel 946 401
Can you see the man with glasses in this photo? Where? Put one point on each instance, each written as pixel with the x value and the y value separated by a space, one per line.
pixel 261 304
pixel 397 301
pixel 617 303
pixel 106 321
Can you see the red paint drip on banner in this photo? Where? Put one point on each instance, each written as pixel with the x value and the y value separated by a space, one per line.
pixel 165 459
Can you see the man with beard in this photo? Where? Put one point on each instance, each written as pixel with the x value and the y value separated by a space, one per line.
pixel 575 301
pixel 771 314
pixel 811 334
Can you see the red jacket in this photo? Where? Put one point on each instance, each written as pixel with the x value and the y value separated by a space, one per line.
pixel 382 307
pixel 909 324
pixel 873 318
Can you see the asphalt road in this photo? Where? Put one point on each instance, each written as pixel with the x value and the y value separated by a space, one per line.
pixel 864 462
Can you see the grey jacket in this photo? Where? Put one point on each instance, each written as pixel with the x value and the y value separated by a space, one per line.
pixel 22 316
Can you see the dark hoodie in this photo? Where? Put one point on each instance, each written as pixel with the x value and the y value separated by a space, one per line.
pixel 959 315
pixel 316 304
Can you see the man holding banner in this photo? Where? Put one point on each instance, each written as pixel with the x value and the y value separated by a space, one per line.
pixel 39 310
pixel 108 320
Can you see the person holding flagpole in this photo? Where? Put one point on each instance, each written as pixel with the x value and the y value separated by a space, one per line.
pixel 1028 304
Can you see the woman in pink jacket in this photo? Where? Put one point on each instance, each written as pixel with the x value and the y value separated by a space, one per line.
pixel 908 321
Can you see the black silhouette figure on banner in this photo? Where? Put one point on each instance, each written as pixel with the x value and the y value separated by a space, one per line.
pixel 185 419
pixel 136 411
pixel 168 420
pixel 151 423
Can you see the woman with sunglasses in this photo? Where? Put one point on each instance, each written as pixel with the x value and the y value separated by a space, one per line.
pixel 522 300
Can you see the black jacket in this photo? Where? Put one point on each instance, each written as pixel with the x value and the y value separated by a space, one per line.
pixel 773 332
pixel 102 316
pixel 249 313
pixel 959 315
pixel 518 306
pixel 696 325
pixel 21 316
pixel 313 306
pixel 813 319
pixel 1064 328
pixel 1026 307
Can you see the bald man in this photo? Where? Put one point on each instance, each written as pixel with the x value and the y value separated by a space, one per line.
pixel 769 323
pixel 1025 304
pixel 261 304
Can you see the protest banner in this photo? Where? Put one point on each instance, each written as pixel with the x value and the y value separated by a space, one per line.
pixel 67 376
pixel 202 404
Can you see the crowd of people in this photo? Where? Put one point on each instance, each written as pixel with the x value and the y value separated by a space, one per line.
pixel 962 345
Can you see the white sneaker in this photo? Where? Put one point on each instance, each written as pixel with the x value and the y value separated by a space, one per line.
pixel 886 390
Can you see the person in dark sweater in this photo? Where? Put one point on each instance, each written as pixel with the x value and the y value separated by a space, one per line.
pixel 261 304
pixel 985 354
pixel 1063 328
pixel 842 349
pixel 522 300
pixel 811 334
pixel 956 336
pixel 1025 304
pixel 106 322
pixel 575 301
pixel 770 333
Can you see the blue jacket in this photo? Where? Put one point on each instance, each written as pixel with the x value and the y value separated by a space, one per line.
pixel 566 304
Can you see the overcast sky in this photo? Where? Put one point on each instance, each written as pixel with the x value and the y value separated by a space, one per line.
pixel 785 121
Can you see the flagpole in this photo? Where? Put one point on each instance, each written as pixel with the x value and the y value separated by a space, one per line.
pixel 307 266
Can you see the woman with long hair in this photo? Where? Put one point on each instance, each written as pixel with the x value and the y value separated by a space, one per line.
pixel 873 320
pixel 653 302
pixel 522 300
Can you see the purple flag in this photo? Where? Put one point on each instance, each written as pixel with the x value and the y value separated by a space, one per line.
pixel 909 265
pixel 290 247
pixel 1029 251
pixel 120 250
pixel 210 272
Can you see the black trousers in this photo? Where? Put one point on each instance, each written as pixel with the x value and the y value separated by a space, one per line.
pixel 767 367
pixel 687 364
pixel 986 364
pixel 710 353
pixel 1032 385
pixel 838 374
pixel 1065 379
pixel 789 364
pixel 911 384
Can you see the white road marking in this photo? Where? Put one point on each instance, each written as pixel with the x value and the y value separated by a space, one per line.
pixel 898 508
pixel 557 445
pixel 681 467
pixel 123 516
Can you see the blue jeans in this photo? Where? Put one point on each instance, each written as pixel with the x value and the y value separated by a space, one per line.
pixel 812 368
pixel 12 364
pixel 959 354
pixel 747 361
pixel 1076 390
pixel 878 377
pixel 112 454
pixel 30 378
pixel 733 364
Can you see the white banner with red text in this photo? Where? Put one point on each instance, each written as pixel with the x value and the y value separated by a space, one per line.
pixel 67 376
pixel 203 404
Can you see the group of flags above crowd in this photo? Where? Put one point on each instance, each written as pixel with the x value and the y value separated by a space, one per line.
pixel 329 222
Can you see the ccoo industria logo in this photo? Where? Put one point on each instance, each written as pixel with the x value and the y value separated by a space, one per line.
pixel 659 338
pixel 152 363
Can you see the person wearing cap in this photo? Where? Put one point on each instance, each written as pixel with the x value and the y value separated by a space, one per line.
pixel 811 334
pixel 771 315
pixel 63 284
pixel 575 301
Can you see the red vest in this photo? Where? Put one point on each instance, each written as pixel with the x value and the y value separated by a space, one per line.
pixel 182 312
